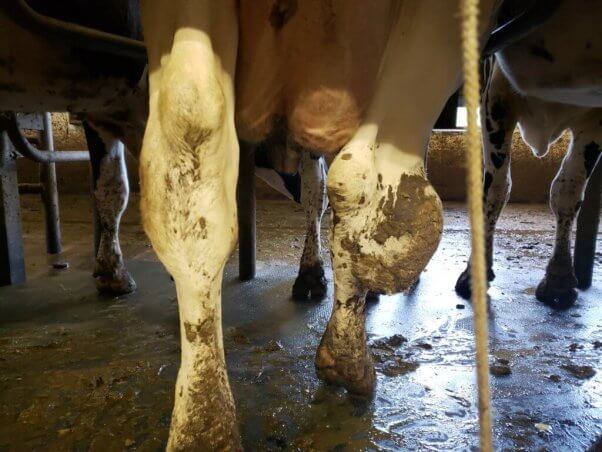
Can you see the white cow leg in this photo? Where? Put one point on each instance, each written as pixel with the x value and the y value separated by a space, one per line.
pixel 110 192
pixel 387 218
pixel 311 280
pixel 566 195
pixel 498 121
pixel 387 222
pixel 189 168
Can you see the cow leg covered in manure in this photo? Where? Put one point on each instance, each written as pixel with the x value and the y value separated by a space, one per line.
pixel 387 218
pixel 498 121
pixel 189 168
pixel 110 190
pixel 311 280
pixel 566 195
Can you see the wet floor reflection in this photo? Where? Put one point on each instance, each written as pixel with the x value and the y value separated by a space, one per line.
pixel 79 372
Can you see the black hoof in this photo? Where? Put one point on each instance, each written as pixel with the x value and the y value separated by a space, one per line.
pixel 556 293
pixel 463 283
pixel 311 283
pixel 117 283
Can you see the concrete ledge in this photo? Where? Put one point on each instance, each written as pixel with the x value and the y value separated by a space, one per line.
pixel 531 176
pixel 446 169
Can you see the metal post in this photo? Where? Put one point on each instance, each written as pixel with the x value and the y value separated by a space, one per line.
pixel 587 230
pixel 10 122
pixel 50 197
pixel 12 263
pixel 246 212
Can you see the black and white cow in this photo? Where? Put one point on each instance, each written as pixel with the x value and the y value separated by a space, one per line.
pixel 562 76
pixel 110 93
pixel 307 187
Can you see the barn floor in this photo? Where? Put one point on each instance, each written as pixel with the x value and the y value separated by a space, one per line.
pixel 83 372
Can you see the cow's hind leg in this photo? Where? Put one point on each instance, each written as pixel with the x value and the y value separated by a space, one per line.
pixel 498 121
pixel 387 222
pixel 311 280
pixel 566 195
pixel 110 192
pixel 189 167
pixel 387 218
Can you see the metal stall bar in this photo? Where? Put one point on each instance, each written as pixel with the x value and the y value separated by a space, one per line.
pixel 9 123
pixel 587 230
pixel 50 196
pixel 245 194
pixel 12 269
pixel 47 187
pixel 12 263
pixel 75 35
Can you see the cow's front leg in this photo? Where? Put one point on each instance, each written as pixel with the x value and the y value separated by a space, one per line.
pixel 311 280
pixel 498 121
pixel 110 192
pixel 189 167
pixel 566 195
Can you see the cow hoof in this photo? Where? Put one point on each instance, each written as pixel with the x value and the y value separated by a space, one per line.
pixel 342 369
pixel 556 291
pixel 463 283
pixel 115 283
pixel 311 283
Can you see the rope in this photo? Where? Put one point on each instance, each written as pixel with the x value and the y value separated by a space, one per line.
pixel 474 160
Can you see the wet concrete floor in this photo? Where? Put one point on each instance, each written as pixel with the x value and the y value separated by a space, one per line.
pixel 79 371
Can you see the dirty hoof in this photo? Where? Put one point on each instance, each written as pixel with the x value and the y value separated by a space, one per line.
pixel 557 291
pixel 356 375
pixel 463 283
pixel 115 283
pixel 311 283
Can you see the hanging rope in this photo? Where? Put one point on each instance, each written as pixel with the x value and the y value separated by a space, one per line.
pixel 474 162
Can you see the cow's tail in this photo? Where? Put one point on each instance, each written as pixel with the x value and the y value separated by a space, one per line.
pixel 474 164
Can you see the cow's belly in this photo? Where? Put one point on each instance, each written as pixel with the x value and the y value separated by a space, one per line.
pixel 307 69
pixel 40 75
pixel 562 61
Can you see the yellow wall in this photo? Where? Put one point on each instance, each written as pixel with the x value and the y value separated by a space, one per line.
pixel 531 176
